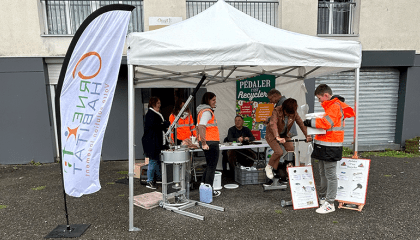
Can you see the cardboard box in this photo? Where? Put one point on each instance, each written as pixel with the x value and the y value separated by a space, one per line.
pixel 137 169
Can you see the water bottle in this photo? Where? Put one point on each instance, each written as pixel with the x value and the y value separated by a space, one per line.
pixel 206 193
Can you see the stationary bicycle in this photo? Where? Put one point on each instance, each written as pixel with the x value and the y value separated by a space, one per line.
pixel 288 158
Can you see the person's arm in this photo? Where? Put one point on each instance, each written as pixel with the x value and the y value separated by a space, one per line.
pixel 248 135
pixel 205 117
pixel 332 118
pixel 273 123
pixel 231 135
pixel 302 127
pixel 192 128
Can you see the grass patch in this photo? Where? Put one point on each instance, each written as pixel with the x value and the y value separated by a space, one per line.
pixel 121 195
pixel 110 183
pixel 387 175
pixel 38 188
pixel 35 163
pixel 123 172
pixel 347 152
pixel 390 153
pixel 3 206
pixel 335 221
pixel 278 211
pixel 15 168
pixel 121 178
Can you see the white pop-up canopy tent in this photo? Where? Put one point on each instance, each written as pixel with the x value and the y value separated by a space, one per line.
pixel 226 44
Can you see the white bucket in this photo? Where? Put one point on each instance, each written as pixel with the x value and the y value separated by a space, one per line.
pixel 217 183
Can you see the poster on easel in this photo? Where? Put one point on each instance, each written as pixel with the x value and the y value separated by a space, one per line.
pixel 353 176
pixel 302 187
pixel 252 102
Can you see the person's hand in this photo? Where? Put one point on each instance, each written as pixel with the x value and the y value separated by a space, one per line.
pixel 205 147
pixel 280 140
pixel 308 139
pixel 307 122
pixel 240 139
pixel 247 139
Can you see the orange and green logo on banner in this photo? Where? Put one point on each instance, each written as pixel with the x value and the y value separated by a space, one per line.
pixel 252 102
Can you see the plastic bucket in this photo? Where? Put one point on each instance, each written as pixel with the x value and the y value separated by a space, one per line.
pixel 217 183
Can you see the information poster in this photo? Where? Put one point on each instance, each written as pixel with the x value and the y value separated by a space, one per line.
pixel 252 102
pixel 302 187
pixel 353 175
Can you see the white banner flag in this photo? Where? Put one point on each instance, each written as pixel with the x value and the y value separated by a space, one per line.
pixel 86 98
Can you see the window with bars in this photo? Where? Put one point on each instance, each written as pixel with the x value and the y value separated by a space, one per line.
pixel 336 17
pixel 64 17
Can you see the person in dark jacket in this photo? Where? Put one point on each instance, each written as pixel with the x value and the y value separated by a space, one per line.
pixel 240 134
pixel 153 140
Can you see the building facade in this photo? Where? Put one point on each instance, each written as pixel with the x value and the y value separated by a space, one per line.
pixel 35 36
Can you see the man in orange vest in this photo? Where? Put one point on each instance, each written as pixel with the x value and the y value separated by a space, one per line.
pixel 328 147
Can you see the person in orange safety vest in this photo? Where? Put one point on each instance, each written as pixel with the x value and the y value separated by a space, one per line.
pixel 208 137
pixel 328 147
pixel 185 127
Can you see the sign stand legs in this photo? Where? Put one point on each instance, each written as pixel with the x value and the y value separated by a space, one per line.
pixel 345 205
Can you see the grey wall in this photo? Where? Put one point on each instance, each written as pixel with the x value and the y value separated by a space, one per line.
pixel 115 145
pixel 26 133
pixel 411 120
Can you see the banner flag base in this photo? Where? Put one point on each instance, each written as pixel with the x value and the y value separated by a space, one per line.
pixel 61 231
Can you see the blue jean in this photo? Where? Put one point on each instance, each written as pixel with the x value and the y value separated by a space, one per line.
pixel 152 169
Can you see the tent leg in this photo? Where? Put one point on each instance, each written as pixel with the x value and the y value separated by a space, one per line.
pixel 131 150
pixel 356 109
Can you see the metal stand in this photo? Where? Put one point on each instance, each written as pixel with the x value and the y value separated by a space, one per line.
pixel 287 156
pixel 68 231
pixel 181 196
pixel 275 185
pixel 351 206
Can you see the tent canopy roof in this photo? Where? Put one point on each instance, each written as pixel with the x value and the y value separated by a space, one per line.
pixel 227 44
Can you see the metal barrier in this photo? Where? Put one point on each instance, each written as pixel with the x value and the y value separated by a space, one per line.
pixel 336 17
pixel 63 17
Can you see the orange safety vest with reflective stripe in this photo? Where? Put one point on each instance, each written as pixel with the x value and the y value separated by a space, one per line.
pixel 212 131
pixel 185 128
pixel 333 122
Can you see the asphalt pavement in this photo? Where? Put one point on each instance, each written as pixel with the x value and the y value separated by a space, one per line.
pixel 32 205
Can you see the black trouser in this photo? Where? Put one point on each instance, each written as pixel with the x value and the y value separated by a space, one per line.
pixel 212 157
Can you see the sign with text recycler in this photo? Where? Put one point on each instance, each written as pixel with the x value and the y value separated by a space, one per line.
pixel 252 102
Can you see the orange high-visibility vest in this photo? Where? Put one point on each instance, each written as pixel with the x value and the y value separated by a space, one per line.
pixel 212 131
pixel 185 127
pixel 333 122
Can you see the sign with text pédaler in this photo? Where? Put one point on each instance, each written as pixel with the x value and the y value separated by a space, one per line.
pixel 302 187
pixel 252 102
pixel 353 176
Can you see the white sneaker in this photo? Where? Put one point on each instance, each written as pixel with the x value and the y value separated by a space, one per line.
pixel 322 201
pixel 326 208
pixel 269 171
